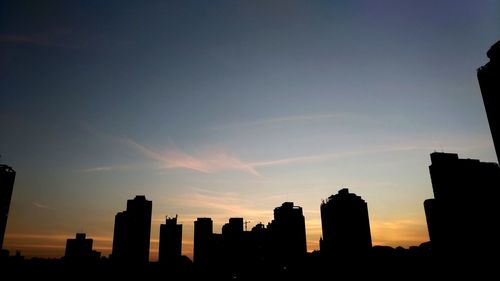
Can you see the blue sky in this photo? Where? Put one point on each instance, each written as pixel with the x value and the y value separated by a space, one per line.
pixel 229 108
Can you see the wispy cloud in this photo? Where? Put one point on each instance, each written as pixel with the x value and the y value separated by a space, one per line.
pixel 39 205
pixel 211 162
pixel 294 118
pixel 330 156
pixel 106 168
pixel 281 120
pixel 99 169
pixel 172 157
pixel 223 203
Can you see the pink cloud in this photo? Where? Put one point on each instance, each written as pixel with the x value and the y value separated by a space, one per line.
pixel 212 162
pixel 223 202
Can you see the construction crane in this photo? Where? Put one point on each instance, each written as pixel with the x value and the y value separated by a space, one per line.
pixel 246 222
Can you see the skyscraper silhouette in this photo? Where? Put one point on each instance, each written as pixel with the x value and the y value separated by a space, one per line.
pixel 233 244
pixel 234 228
pixel 170 241
pixel 489 82
pixel 132 232
pixel 7 177
pixel 288 233
pixel 232 235
pixel 203 240
pixel 79 249
pixel 345 225
pixel 463 218
pixel 259 243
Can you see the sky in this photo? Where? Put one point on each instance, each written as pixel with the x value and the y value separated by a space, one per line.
pixel 229 108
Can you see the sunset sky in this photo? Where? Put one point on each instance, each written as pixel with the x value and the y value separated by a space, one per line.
pixel 229 108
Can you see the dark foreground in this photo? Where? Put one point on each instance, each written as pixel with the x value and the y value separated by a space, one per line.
pixel 383 263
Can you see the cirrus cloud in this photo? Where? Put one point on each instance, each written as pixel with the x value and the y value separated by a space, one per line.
pixel 210 162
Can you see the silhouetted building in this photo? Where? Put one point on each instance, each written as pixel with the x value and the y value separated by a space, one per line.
pixel 288 233
pixel 203 240
pixel 489 82
pixel 170 241
pixel 80 249
pixel 132 232
pixel 345 225
pixel 120 250
pixel 463 218
pixel 233 244
pixel 232 235
pixel 233 229
pixel 7 177
pixel 259 243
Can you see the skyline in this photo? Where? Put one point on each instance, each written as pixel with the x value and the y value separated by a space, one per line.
pixel 231 108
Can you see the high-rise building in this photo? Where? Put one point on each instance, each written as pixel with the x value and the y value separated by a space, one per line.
pixel 489 82
pixel 345 225
pixel 259 245
pixel 233 242
pixel 7 177
pixel 79 249
pixel 463 218
pixel 233 228
pixel 203 240
pixel 132 231
pixel 288 233
pixel 119 251
pixel 170 241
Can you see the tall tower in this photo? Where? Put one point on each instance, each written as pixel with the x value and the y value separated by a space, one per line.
pixel 132 231
pixel 170 241
pixel 463 218
pixel 288 233
pixel 7 177
pixel 345 225
pixel 233 242
pixel 203 236
pixel 489 82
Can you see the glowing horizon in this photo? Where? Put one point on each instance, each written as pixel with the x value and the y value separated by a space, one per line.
pixel 57 243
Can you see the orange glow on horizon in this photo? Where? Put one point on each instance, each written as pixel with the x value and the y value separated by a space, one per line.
pixel 395 233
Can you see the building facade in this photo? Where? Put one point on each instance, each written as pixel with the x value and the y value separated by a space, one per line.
pixel 7 177
pixel 203 241
pixel 170 248
pixel 463 218
pixel 489 82
pixel 345 224
pixel 288 233
pixel 79 249
pixel 132 232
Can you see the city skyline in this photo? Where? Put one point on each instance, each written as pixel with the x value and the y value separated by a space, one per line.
pixel 230 109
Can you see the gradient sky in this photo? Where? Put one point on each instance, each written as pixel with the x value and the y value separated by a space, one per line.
pixel 229 108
